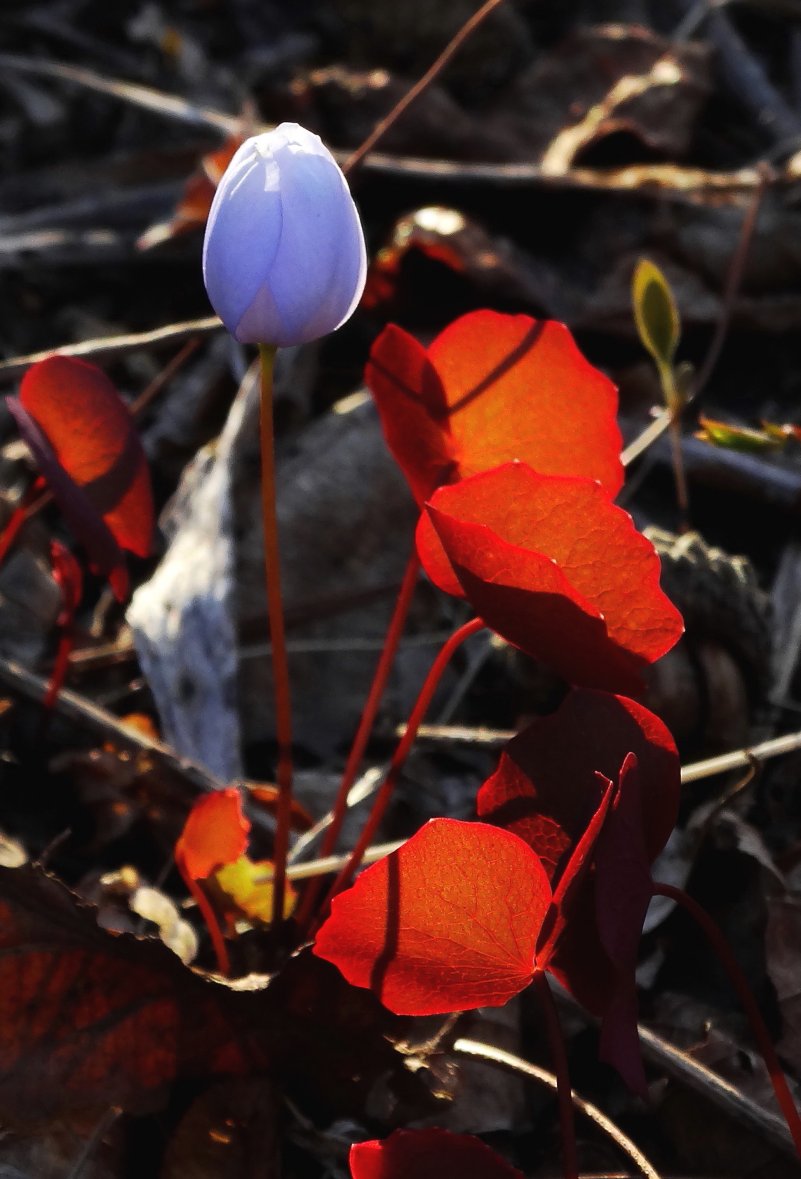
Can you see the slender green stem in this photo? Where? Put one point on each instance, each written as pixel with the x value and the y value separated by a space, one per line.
pixel 556 1043
pixel 382 798
pixel 383 668
pixel 275 616
pixel 722 948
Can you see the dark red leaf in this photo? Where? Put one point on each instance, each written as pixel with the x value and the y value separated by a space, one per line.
pixel 446 923
pixel 215 833
pixel 573 877
pixel 428 1154
pixel 623 890
pixel 492 388
pixel 87 447
pixel 69 579
pixel 552 565
pixel 546 786
pixel 91 1019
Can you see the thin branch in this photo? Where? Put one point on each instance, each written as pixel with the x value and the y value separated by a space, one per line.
pixel 327 864
pixel 112 345
pixel 74 707
pixel 655 181
pixel 738 980
pixel 145 97
pixel 652 431
pixel 400 108
pixel 724 762
pixel 694 772
pixel 741 72
pixel 702 1080
pixel 734 279
pixel 493 1055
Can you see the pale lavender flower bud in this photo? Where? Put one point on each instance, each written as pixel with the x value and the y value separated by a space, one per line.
pixel 284 259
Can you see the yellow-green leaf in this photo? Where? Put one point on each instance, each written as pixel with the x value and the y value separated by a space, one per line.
pixel 248 889
pixel 737 437
pixel 655 312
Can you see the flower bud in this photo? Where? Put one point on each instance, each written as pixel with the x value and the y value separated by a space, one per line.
pixel 284 259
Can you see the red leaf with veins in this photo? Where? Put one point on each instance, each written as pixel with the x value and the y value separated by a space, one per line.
pixel 428 1154
pixel 552 565
pixel 489 389
pixel 446 923
pixel 83 438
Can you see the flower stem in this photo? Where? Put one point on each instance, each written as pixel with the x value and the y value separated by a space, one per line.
pixel 740 983
pixel 275 616
pixel 388 652
pixel 556 1043
pixel 381 800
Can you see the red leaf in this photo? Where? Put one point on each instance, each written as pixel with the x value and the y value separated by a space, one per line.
pixel 545 789
pixel 546 786
pixel 491 388
pixel 573 877
pixel 428 1154
pixel 215 833
pixel 446 923
pixel 554 567
pixel 91 1019
pixel 83 437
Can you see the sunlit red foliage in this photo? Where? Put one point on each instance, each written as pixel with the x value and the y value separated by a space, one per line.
pixel 545 789
pixel 216 833
pixel 489 389
pixel 552 565
pixel 85 444
pixel 457 918
pixel 447 922
pixel 428 1154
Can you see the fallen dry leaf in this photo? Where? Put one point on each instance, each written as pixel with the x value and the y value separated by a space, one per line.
pixel 89 1018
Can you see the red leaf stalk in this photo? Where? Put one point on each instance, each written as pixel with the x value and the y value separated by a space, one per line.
pixel 383 796
pixel 60 665
pixel 740 983
pixel 212 924
pixel 556 1043
pixel 68 576
pixel 32 502
pixel 365 727
pixel 275 615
